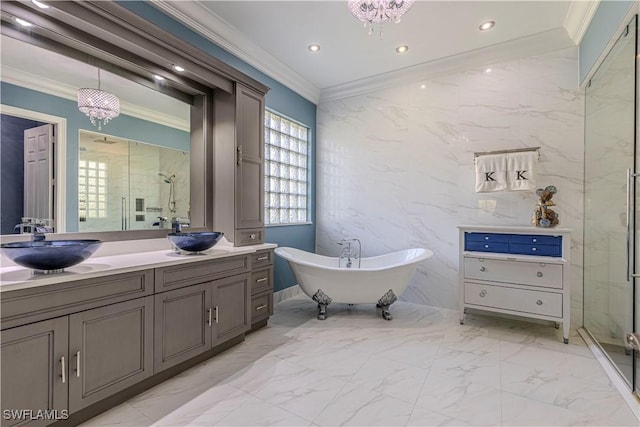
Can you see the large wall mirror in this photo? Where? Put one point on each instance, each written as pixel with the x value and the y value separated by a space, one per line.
pixel 124 179
pixel 129 174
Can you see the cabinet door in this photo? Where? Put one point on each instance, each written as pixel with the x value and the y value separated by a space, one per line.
pixel 232 301
pixel 34 370
pixel 182 325
pixel 250 156
pixel 111 348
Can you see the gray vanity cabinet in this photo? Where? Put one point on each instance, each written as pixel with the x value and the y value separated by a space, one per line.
pixel 34 369
pixel 110 349
pixel 261 288
pixel 194 319
pixel 239 159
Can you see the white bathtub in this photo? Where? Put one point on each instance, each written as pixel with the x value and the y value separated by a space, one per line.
pixel 379 280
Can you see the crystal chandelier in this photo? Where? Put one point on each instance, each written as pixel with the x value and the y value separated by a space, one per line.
pixel 98 105
pixel 379 11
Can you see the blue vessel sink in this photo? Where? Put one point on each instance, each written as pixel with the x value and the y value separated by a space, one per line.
pixel 49 256
pixel 195 242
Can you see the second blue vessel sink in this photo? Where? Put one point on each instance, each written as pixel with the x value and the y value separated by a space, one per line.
pixel 50 256
pixel 195 242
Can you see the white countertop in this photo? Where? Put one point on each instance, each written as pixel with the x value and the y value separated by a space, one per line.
pixel 15 277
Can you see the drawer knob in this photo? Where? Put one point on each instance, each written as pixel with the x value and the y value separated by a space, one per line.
pixel 486 237
pixel 482 269
pixel 252 236
pixel 539 302
pixel 483 293
pixel 540 274
pixel 533 249
pixel 535 240
pixel 486 246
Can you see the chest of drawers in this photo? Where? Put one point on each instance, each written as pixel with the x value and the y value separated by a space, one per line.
pixel 522 271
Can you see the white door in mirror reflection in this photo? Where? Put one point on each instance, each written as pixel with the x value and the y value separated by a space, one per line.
pixel 38 172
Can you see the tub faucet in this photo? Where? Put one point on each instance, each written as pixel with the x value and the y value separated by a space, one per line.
pixel 348 252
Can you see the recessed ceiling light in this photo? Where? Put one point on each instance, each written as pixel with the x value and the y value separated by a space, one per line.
pixel 488 70
pixel 487 25
pixel 402 48
pixel 423 86
pixel 23 22
pixel 158 78
pixel 40 4
pixel 178 68
pixel 313 47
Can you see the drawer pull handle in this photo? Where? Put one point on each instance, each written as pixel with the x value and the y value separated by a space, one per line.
pixel 63 366
pixel 533 249
pixel 539 274
pixel 263 258
pixel 78 363
pixel 482 268
pixel 260 307
pixel 264 279
pixel 539 302
pixel 483 293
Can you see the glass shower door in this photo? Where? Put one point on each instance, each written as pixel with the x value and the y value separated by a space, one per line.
pixel 609 223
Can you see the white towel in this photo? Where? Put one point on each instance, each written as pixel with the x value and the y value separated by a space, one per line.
pixel 521 170
pixel 491 173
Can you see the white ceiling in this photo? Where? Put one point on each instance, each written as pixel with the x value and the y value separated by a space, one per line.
pixel 273 36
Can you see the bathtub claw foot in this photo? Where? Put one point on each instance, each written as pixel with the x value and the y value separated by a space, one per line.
pixel 323 301
pixel 384 303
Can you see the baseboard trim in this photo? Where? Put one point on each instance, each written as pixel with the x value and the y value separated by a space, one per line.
pixel 287 293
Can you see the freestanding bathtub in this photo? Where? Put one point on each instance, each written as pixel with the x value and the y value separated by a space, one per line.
pixel 378 280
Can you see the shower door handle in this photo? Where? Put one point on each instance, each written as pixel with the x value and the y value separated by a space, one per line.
pixel 630 176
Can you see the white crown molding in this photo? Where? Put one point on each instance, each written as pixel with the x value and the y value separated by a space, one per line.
pixel 537 44
pixel 51 87
pixel 579 17
pixel 203 21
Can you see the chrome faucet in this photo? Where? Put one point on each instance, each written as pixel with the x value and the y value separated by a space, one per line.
pixel 348 252
pixel 178 223
pixel 38 233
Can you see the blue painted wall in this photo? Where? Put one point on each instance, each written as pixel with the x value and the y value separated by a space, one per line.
pixel 123 126
pixel 279 99
pixel 604 24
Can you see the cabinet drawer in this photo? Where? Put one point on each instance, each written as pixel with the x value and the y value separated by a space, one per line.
pixel 498 247
pixel 521 272
pixel 261 306
pixel 45 302
pixel 261 280
pixel 262 258
pixel 251 236
pixel 535 249
pixel 530 239
pixel 520 300
pixel 178 276
pixel 486 237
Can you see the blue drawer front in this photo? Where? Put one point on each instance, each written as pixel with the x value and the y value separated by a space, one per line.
pixel 500 247
pixel 486 237
pixel 538 240
pixel 535 249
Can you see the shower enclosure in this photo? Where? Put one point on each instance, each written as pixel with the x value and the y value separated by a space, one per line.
pixel 612 220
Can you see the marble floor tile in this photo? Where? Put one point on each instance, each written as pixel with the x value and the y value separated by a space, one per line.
pixel 355 369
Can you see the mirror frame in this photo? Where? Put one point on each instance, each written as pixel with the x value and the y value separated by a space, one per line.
pixel 107 34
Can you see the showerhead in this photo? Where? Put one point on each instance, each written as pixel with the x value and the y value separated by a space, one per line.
pixel 167 179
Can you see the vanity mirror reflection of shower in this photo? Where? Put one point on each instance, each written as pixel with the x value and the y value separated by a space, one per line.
pixel 122 184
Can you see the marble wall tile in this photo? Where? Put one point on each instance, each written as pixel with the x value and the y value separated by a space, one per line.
pixel 395 167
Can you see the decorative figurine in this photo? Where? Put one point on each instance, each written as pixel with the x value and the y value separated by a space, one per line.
pixel 543 216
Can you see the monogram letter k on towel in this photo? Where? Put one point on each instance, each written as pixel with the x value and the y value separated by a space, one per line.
pixel 491 173
pixel 521 170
